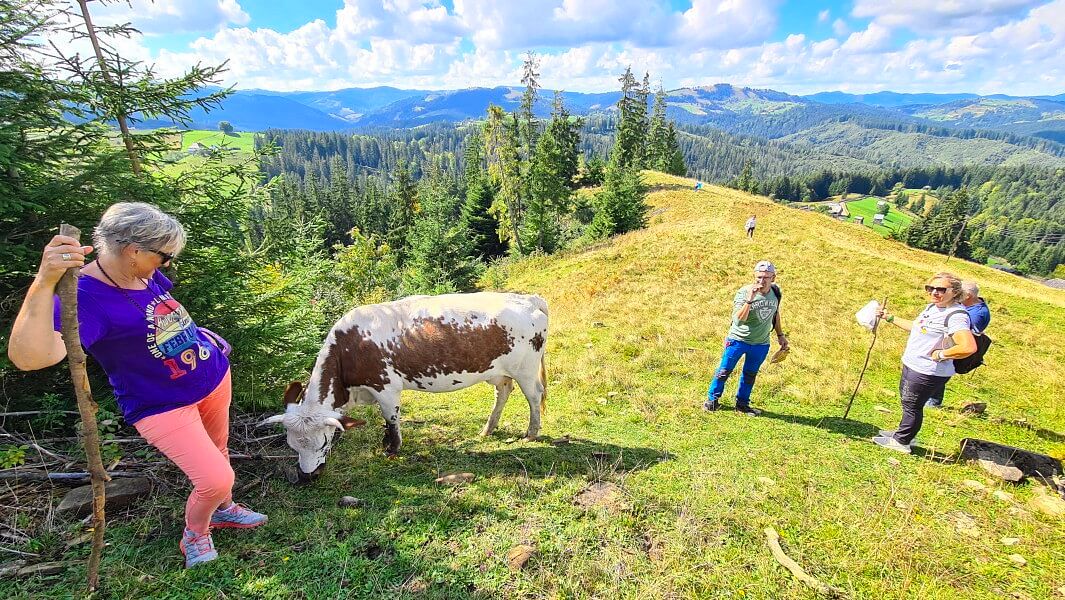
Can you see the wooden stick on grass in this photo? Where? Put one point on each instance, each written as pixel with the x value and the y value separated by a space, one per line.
pixel 876 324
pixel 68 297
pixel 796 570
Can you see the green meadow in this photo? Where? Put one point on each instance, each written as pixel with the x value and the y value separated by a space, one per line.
pixel 637 324
pixel 894 221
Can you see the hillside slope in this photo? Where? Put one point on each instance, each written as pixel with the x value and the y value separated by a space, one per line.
pixel 897 149
pixel 662 298
pixel 636 331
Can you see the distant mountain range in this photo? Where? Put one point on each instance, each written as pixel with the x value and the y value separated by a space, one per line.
pixel 761 112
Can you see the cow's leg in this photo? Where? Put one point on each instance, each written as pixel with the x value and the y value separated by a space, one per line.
pixel 389 404
pixel 534 393
pixel 504 385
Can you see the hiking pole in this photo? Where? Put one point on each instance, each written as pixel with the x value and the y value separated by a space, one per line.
pixel 876 324
pixel 68 297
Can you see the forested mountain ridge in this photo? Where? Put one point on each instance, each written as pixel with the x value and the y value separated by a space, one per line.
pixel 736 109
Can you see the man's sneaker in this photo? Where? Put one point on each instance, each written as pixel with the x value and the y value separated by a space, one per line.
pixel 237 516
pixel 197 548
pixel 934 403
pixel 750 411
pixel 710 405
pixel 887 433
pixel 892 444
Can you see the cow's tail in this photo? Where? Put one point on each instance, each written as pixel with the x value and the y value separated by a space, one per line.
pixel 539 303
pixel 543 384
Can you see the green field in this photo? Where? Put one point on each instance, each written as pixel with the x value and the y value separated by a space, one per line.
pixel 637 324
pixel 895 220
pixel 243 141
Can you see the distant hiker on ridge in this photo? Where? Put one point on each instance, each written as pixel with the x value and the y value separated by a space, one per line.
pixel 750 227
pixel 756 310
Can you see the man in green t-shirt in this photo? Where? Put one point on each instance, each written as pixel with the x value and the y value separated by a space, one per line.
pixel 756 311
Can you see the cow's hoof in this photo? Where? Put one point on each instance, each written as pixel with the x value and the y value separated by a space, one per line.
pixel 532 438
pixel 486 432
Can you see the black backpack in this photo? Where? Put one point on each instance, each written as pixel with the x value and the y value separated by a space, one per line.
pixel 969 363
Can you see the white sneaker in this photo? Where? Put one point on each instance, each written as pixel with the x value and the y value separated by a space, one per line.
pixel 892 443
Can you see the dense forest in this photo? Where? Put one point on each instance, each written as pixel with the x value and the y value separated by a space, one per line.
pixel 283 241
pixel 1010 213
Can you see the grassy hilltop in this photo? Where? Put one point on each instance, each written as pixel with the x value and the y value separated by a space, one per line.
pixel 636 331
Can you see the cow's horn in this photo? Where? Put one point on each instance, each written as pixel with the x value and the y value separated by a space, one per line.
pixel 335 423
pixel 271 420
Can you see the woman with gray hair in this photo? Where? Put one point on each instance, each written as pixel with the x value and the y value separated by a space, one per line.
pixel 938 335
pixel 171 379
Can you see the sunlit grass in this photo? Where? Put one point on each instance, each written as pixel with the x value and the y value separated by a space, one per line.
pixel 636 329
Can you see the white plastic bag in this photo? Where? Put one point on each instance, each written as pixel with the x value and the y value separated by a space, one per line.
pixel 867 315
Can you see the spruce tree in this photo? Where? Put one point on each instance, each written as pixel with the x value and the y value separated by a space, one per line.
pixel 439 248
pixel 566 131
pixel 404 200
pixel 673 163
pixel 657 149
pixel 631 134
pixel 549 195
pixel 504 169
pixel 483 228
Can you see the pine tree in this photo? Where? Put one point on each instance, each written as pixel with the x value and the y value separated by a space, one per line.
pixel 404 206
pixel 566 131
pixel 657 149
pixel 504 169
pixel 673 162
pixel 631 133
pixel 549 193
pixel 439 247
pixel 745 182
pixel 621 205
pixel 530 78
pixel 483 228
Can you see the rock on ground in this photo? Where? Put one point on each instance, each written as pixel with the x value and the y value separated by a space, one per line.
pixel 118 493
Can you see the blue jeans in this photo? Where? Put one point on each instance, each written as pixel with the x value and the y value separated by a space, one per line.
pixel 734 350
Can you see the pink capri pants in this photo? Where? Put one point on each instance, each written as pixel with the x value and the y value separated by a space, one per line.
pixel 196 438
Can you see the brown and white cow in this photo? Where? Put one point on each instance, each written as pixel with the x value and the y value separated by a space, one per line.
pixel 430 343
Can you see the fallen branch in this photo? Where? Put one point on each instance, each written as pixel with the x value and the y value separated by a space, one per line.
pixel 238 456
pixel 26 413
pixel 76 476
pixel 796 570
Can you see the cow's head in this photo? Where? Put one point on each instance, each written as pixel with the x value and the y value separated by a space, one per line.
pixel 309 429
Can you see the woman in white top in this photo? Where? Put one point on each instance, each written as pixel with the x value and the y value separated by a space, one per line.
pixel 750 226
pixel 938 335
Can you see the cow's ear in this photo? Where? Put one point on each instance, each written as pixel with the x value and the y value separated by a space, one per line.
pixel 293 393
pixel 350 423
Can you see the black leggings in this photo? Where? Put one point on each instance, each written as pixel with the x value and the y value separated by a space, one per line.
pixel 914 389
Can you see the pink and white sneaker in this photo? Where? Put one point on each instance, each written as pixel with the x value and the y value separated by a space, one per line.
pixel 237 516
pixel 197 548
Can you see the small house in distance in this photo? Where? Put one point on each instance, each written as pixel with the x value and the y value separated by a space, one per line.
pixel 838 209
pixel 195 148
pixel 859 220
pixel 878 219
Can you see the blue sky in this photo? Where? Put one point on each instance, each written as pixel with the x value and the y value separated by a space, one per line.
pixel 983 46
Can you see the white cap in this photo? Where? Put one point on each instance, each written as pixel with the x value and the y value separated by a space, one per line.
pixel 766 266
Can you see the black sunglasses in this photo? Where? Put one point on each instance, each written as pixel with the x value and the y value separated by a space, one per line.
pixel 167 257
pixel 163 255
pixel 932 288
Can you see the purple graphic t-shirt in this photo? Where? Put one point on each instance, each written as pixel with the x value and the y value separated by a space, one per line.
pixel 154 355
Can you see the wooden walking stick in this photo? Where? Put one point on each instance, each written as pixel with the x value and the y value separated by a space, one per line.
pixel 68 296
pixel 876 324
